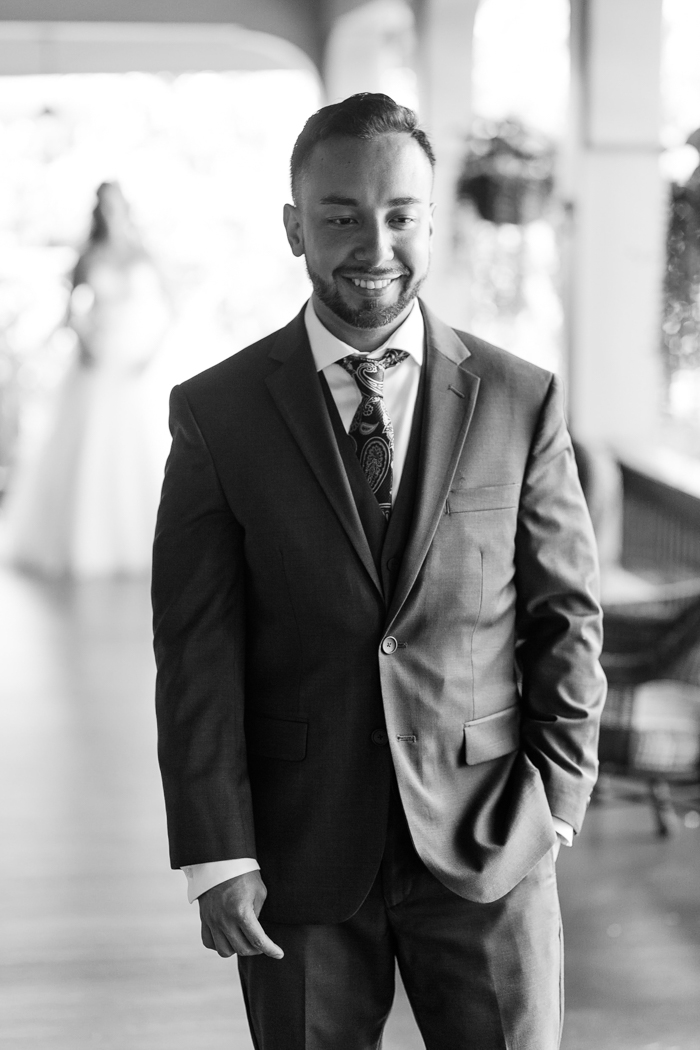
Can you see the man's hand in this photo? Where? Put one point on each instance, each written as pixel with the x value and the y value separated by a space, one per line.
pixel 229 914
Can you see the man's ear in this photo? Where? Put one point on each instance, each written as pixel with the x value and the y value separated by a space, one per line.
pixel 432 219
pixel 295 234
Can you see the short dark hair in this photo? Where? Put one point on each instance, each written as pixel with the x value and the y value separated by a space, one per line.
pixel 363 116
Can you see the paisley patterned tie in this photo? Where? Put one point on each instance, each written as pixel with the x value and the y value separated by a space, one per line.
pixel 371 430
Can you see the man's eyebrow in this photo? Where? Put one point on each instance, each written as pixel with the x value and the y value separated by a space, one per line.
pixel 352 202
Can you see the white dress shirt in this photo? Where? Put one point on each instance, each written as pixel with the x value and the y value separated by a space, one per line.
pixel 400 392
pixel 400 382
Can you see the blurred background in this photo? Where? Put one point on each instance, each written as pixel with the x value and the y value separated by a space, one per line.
pixel 144 148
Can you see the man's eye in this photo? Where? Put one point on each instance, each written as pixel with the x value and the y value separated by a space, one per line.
pixel 341 220
pixel 403 220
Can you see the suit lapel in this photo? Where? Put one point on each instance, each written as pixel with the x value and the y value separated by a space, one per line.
pixel 450 397
pixel 296 391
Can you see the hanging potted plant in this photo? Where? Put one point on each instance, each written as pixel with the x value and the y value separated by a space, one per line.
pixel 508 173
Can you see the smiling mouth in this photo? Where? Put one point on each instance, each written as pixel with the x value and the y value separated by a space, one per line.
pixel 373 283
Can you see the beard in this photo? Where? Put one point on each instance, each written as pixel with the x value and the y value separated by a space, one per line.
pixel 370 313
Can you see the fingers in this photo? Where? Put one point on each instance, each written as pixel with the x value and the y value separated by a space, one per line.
pixel 257 938
pixel 229 914
pixel 248 938
pixel 222 944
pixel 216 940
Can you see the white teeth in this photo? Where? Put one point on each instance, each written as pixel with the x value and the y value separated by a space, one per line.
pixel 360 283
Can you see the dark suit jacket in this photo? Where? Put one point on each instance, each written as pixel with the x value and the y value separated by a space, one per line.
pixel 270 619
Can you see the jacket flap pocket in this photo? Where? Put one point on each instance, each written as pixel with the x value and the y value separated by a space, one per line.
pixel 276 737
pixel 493 736
pixel 485 497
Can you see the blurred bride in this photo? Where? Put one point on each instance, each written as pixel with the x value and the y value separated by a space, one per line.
pixel 85 506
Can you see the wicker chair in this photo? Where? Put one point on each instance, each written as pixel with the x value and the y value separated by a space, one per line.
pixel 650 729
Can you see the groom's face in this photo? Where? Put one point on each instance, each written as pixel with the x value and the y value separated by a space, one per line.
pixel 363 220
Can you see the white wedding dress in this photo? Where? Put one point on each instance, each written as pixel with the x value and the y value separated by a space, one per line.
pixel 85 503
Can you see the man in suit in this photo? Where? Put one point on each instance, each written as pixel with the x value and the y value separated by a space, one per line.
pixel 377 637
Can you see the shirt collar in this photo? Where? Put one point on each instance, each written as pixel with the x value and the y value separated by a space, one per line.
pixel 327 349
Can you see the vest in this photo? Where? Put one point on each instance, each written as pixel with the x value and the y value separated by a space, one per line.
pixel 387 540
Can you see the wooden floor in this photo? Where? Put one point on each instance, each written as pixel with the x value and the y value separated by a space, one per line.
pixel 98 947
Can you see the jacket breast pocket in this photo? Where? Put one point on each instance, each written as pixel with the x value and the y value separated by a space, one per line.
pixel 484 497
pixel 493 736
pixel 282 738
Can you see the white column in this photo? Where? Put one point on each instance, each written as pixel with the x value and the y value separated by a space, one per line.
pixel 445 33
pixel 619 216
pixel 370 49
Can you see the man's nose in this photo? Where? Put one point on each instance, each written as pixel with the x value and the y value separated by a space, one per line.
pixel 375 245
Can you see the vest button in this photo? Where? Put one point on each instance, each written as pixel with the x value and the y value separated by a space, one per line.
pixel 389 645
pixel 380 736
pixel 392 563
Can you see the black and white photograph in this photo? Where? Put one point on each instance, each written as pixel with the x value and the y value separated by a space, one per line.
pixel 350 525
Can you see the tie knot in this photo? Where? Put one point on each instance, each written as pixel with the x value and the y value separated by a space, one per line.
pixel 368 372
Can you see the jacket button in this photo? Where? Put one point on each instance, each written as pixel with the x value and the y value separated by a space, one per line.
pixel 389 645
pixel 380 736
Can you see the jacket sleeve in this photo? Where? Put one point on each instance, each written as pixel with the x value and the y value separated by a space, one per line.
pixel 198 595
pixel 559 621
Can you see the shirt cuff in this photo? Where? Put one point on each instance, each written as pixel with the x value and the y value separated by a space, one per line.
pixel 565 833
pixel 201 877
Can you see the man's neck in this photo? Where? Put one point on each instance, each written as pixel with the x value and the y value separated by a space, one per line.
pixel 363 339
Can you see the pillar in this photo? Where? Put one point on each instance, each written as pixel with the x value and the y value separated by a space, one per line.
pixel 618 222
pixel 445 33
pixel 370 48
